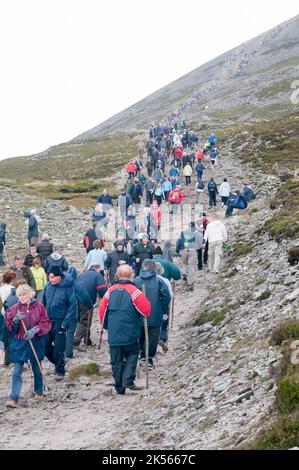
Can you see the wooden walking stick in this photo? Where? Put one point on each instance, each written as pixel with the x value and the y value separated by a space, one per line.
pixel 35 355
pixel 146 343
pixel 101 336
pixel 172 305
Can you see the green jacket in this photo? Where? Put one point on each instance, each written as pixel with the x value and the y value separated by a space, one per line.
pixel 171 271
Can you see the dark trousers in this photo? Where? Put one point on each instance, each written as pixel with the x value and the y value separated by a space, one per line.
pixel 153 339
pixel 166 194
pixel 188 180
pixel 55 346
pixel 123 360
pixel 224 199
pixel 229 210
pixel 199 258
pixel 164 330
pixel 83 328
pixel 149 197
pixel 212 198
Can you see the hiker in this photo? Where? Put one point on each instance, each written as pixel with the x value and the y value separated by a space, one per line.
pixel 213 190
pixel 142 250
pixel 40 278
pixel 124 202
pixel 32 220
pixel 121 311
pixel 170 270
pixel 45 247
pixel 199 169
pixel 101 218
pixel 188 173
pixel 248 192
pixel 149 190
pixel 158 193
pixel 155 216
pixel 212 139
pixel 213 155
pixel 164 328
pixel 116 258
pixel 215 234
pixel 136 193
pixel 224 192
pixel 158 174
pixel 2 242
pixel 175 198
pixel 189 242
pixel 199 188
pixel 149 166
pixel 200 156
pixel 89 237
pixel 131 169
pixel 35 318
pixel 142 180
pixel 157 293
pixel 96 256
pixel 166 188
pixel 22 271
pixel 56 259
pixel 8 280
pixel 236 200
pixel 62 308
pixel 203 252
pixel 167 251
pixel 106 200
pixel 32 256
pixel 93 283
pixel 174 172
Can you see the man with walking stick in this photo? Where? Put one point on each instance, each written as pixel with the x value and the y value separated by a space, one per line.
pixel 121 311
pixel 27 322
pixel 92 282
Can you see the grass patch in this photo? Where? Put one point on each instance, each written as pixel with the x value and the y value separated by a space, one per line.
pixel 214 316
pixel 284 433
pixel 90 369
pixel 285 331
pixel 259 282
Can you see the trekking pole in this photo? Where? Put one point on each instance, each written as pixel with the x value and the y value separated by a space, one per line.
pixel 172 306
pixel 146 343
pixel 5 253
pixel 35 355
pixel 101 336
pixel 90 311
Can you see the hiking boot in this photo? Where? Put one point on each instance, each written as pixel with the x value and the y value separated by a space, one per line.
pixel 11 404
pixel 151 364
pixel 38 397
pixel 79 348
pixel 163 346
pixel 59 377
pixel 133 387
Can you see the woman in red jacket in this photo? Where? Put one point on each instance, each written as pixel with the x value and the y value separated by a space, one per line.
pixel 175 198
pixel 131 169
pixel 30 313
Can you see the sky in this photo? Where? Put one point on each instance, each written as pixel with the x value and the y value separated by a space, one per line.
pixel 67 65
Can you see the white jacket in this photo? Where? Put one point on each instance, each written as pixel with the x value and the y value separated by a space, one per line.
pixel 187 170
pixel 215 232
pixel 224 189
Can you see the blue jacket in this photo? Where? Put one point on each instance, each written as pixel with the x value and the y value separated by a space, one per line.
pixel 93 283
pixel 60 301
pixel 167 186
pixel 174 172
pixel 32 225
pixel 248 193
pixel 105 199
pixel 157 293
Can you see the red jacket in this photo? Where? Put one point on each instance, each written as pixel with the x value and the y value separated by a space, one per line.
pixel 178 153
pixel 35 315
pixel 176 196
pixel 131 167
pixel 200 156
pixel 156 215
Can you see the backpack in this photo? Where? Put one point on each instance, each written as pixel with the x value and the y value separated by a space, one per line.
pixel 212 186
pixel 187 242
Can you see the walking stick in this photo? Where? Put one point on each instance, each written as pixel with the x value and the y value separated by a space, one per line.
pixel 172 305
pixel 35 355
pixel 146 343
pixel 101 336
pixel 90 312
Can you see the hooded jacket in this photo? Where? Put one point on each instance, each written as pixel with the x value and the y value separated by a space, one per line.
pixel 32 225
pixel 60 301
pixel 112 262
pixel 171 271
pixel 157 293
pixel 176 196
pixel 56 260
pixel 35 315
pixel 190 239
pixel 93 282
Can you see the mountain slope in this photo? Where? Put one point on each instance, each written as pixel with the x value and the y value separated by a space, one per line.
pixel 249 83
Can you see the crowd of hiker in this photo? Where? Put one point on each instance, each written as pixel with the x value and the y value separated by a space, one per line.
pixel 46 305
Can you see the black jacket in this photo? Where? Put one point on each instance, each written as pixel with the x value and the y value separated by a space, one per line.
pixel 44 249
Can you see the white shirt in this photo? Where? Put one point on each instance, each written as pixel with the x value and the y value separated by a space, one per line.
pixel 224 189
pixel 215 232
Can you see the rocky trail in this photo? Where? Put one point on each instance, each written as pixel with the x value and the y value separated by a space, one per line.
pixel 213 389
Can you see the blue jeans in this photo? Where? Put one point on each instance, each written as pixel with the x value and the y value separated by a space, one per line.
pixel 17 380
pixel 69 342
